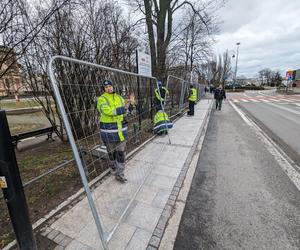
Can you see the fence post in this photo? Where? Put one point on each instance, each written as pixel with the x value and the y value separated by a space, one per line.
pixel 13 189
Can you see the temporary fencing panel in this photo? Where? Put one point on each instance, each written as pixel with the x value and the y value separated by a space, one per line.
pixel 76 85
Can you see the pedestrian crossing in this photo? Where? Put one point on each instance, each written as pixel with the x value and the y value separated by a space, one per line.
pixel 295 99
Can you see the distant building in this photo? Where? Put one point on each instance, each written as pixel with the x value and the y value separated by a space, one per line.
pixel 297 78
pixel 11 83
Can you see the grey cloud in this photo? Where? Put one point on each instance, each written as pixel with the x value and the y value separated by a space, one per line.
pixel 268 31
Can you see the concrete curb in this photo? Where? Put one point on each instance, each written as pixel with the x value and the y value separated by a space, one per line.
pixel 158 232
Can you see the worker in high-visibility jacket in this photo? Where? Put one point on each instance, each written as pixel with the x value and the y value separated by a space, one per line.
pixel 161 123
pixel 113 128
pixel 160 96
pixel 192 100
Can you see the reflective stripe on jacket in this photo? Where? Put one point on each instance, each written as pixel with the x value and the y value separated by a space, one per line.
pixel 113 127
pixel 193 96
pixel 158 96
pixel 161 122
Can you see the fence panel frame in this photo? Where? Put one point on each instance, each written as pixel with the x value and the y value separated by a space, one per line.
pixel 76 154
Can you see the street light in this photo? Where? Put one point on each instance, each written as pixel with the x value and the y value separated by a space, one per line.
pixel 236 63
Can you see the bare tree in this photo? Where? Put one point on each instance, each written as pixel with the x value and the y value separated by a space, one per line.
pixel 159 21
pixel 94 31
pixel 13 19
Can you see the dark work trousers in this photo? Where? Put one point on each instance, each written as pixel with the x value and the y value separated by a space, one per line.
pixel 219 103
pixel 116 153
pixel 191 108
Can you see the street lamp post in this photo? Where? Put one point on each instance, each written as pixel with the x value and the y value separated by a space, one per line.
pixel 236 63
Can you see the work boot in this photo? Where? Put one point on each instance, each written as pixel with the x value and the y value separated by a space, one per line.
pixel 113 170
pixel 121 178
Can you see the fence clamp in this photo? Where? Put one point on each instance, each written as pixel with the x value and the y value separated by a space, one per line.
pixel 3 183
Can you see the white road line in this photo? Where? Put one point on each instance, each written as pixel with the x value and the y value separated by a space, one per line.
pixel 294 100
pixel 284 161
pixel 285 108
pixel 244 100
pixel 285 100
pixel 235 100
pixel 263 100
pixel 253 100
pixel 274 100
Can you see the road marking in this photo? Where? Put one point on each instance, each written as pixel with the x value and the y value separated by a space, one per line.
pixel 285 100
pixel 284 161
pixel 285 108
pixel 274 100
pixel 244 100
pixel 263 100
pixel 253 100
pixel 235 100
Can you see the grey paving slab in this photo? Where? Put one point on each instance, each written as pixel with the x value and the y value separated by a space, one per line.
pixel 76 245
pixel 170 156
pixel 161 181
pixel 74 220
pixel 147 194
pixel 166 171
pixel 144 216
pixel 122 237
pixel 161 198
pixel 139 240
pixel 89 236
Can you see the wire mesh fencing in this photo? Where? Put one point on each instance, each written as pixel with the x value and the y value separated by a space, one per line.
pixel 77 86
pixel 178 94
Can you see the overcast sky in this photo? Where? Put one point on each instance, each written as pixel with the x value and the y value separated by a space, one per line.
pixel 269 33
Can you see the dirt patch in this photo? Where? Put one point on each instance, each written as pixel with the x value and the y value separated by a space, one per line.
pixel 44 195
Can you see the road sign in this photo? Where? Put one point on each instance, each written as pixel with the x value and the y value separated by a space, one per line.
pixel 144 64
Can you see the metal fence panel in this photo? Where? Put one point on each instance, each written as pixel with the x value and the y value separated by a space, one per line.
pixel 76 85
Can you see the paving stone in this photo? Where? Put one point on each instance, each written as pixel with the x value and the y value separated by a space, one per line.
pixel 161 181
pixel 154 241
pixel 59 238
pixel 175 193
pixel 122 237
pixel 161 198
pixel 59 248
pixel 151 248
pixel 45 231
pixel 66 241
pixel 76 245
pixel 144 216
pixel 52 234
pixel 172 197
pixel 139 240
pixel 158 232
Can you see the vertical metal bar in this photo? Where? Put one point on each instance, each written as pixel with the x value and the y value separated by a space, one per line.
pixel 138 91
pixel 163 109
pixel 14 192
pixel 76 154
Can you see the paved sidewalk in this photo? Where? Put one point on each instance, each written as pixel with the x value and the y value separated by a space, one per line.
pixel 142 206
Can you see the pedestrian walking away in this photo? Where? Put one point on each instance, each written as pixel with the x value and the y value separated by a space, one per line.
pixel 192 100
pixel 160 96
pixel 113 128
pixel 219 96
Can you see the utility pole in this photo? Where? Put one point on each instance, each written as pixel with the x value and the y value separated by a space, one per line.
pixel 236 63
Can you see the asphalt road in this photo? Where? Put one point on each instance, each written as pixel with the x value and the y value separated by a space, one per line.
pixel 278 115
pixel 240 198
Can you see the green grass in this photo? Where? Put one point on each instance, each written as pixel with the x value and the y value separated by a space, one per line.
pixel 21 104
